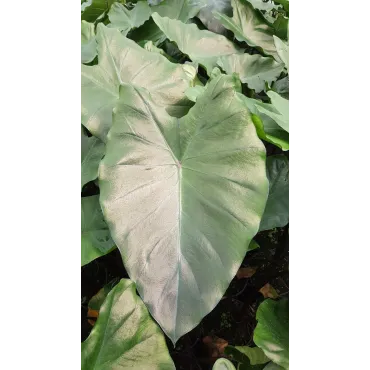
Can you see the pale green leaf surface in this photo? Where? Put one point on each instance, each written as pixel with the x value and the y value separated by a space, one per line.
pixel 182 10
pixel 124 19
pixel 201 46
pixel 264 5
pixel 95 236
pixel 92 151
pixel 250 26
pixel 88 42
pixel 282 49
pixel 192 93
pixel 125 336
pixel 277 207
pixel 183 198
pixel 123 61
pixel 254 70
pixel 272 330
pixel 223 364
pixel 282 87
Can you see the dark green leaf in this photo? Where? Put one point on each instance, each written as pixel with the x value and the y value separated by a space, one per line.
pixel 96 10
pixel 281 27
pixel 277 207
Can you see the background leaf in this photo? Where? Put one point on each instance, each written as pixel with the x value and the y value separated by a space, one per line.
pixel 187 204
pixel 223 364
pixel 267 128
pixel 88 42
pixel 202 46
pixel 95 10
pixel 250 26
pixel 277 207
pixel 247 355
pixel 95 236
pixel 125 336
pixel 123 61
pixel 124 19
pixel 272 330
pixel 92 151
pixel 282 49
pixel 254 70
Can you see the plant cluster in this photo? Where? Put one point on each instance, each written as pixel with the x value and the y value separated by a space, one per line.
pixel 180 99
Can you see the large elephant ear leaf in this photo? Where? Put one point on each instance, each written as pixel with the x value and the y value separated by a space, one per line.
pixel 249 25
pixel 201 46
pixel 95 236
pixel 277 207
pixel 123 61
pixel 125 335
pixel 183 198
pixel 272 330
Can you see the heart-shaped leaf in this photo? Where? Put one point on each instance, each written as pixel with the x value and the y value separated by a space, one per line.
pixel 272 330
pixel 277 207
pixel 250 26
pixel 202 46
pixel 125 336
pixel 254 70
pixel 95 236
pixel 183 198
pixel 123 61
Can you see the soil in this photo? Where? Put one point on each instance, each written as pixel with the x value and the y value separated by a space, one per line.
pixel 233 319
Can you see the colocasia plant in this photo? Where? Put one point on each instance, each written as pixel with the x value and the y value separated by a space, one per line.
pixel 181 101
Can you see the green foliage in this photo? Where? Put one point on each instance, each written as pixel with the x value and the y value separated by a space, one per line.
pixel 182 171
pixel 247 356
pixel 202 46
pixel 95 236
pixel 124 335
pixel 254 70
pixel 168 190
pixel 250 26
pixel 272 330
pixel 88 42
pixel 277 207
pixel 92 151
